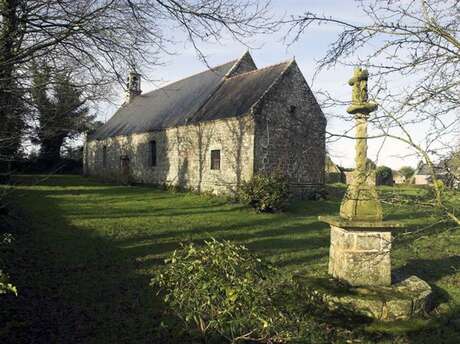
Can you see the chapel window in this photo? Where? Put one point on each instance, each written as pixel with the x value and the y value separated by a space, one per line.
pixel 153 153
pixel 215 159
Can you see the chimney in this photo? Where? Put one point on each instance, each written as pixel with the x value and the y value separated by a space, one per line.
pixel 133 86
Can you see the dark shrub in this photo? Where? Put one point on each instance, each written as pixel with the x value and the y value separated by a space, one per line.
pixel 5 178
pixel 265 193
pixel 316 195
pixel 384 175
pixel 62 166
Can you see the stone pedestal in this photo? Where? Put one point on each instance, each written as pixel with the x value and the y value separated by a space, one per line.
pixel 360 251
pixel 360 258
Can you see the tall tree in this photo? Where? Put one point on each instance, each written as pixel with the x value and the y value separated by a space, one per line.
pixel 12 107
pixel 61 111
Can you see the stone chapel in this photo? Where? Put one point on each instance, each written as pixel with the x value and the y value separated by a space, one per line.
pixel 215 129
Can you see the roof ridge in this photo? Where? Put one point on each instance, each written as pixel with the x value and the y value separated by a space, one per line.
pixel 190 76
pixel 261 69
pixel 288 63
pixel 237 64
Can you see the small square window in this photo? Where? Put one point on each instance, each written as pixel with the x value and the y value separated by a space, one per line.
pixel 215 159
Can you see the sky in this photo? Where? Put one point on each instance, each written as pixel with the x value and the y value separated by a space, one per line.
pixel 272 49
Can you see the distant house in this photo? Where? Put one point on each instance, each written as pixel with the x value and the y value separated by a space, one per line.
pixel 422 175
pixel 451 167
pixel 214 130
pixel 398 178
pixel 333 172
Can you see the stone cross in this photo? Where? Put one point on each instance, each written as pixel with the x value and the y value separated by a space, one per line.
pixel 360 239
pixel 361 200
pixel 360 250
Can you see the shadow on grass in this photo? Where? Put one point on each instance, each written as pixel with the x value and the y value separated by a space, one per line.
pixel 79 287
pixel 263 241
pixel 75 287
pixel 430 270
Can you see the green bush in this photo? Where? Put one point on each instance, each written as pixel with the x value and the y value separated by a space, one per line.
pixel 265 193
pixel 439 185
pixel 5 285
pixel 407 172
pixel 221 291
pixel 217 289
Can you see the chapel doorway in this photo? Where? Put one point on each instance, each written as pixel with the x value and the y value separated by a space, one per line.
pixel 125 170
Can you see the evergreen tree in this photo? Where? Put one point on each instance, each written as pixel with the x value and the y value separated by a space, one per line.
pixel 61 111
pixel 407 172
pixel 384 175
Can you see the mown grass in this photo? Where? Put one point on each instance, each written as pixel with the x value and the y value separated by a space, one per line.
pixel 85 252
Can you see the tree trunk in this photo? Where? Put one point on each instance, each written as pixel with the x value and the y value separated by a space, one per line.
pixel 50 151
pixel 10 124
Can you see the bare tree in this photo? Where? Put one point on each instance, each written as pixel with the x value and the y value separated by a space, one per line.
pixel 412 49
pixel 101 39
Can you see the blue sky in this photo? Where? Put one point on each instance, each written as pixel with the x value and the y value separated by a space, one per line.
pixel 267 50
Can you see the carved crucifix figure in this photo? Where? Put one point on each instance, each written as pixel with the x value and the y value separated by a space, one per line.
pixel 359 83
pixel 359 96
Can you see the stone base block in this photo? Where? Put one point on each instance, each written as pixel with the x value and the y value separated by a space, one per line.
pixel 361 258
pixel 401 301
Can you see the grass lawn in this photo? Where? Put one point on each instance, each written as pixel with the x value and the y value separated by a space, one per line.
pixel 85 252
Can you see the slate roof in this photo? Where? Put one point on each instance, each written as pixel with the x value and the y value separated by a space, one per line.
pixel 424 169
pixel 235 96
pixel 206 96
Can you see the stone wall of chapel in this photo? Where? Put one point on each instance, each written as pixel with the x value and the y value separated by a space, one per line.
pixel 290 132
pixel 183 156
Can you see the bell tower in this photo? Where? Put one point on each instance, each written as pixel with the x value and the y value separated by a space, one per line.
pixel 133 86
